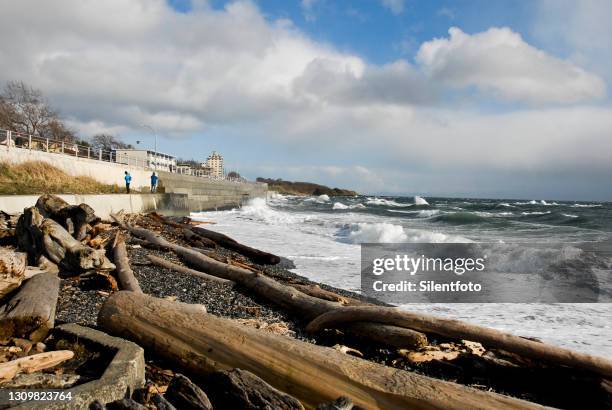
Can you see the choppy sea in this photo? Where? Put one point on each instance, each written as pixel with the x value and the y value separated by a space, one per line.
pixel 322 236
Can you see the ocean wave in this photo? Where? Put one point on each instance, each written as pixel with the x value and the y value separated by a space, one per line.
pixel 420 201
pixel 505 204
pixel 570 215
pixel 341 206
pixel 460 218
pixel 536 213
pixel 423 213
pixel 258 209
pixel 385 202
pixel 383 232
pixel 586 205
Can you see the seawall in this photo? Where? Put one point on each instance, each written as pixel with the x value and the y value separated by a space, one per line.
pixel 105 204
pixel 200 194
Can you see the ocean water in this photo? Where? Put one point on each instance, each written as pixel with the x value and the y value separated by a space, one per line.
pixel 322 236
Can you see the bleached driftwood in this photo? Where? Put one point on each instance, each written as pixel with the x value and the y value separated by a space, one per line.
pixel 203 343
pixel 126 277
pixel 33 363
pixel 12 270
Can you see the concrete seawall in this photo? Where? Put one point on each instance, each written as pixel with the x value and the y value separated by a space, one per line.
pixel 169 204
pixel 199 194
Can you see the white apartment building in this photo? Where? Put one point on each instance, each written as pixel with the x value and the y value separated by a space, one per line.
pixel 215 163
pixel 146 158
pixel 184 169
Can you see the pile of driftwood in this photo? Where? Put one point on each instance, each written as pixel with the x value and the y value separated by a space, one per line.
pixel 243 367
pixel 49 237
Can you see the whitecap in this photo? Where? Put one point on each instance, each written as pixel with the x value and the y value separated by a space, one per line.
pixel 420 201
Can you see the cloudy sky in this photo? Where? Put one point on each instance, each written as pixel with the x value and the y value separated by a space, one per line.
pixel 463 98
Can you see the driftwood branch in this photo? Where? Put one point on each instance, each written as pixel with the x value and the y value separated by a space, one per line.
pixel 203 343
pixel 183 269
pixel 460 330
pixel 33 363
pixel 126 277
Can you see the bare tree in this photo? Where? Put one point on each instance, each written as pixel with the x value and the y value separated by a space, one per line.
pixel 107 142
pixel 25 109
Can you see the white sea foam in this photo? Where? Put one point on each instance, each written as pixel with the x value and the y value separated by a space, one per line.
pixel 586 205
pixel 323 198
pixel 423 213
pixel 570 215
pixel 507 205
pixel 385 202
pixel 420 201
pixel 384 232
pixel 341 206
pixel 535 213
pixel 543 202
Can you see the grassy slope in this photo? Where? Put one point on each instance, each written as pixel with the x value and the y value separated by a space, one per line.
pixel 37 177
pixel 304 188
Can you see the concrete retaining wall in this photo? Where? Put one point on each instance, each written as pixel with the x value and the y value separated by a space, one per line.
pixel 201 193
pixel 169 204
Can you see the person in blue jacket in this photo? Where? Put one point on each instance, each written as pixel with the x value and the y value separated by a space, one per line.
pixel 153 182
pixel 128 180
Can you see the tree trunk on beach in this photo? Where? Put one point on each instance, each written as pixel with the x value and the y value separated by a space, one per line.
pixel 460 330
pixel 30 313
pixel 54 207
pixel 203 343
pixel 126 277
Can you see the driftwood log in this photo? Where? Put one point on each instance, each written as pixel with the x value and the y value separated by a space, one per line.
pixel 12 270
pixel 69 216
pixel 286 296
pixel 256 255
pixel 185 395
pixel 30 313
pixel 203 343
pixel 461 330
pixel 126 277
pixel 29 235
pixel 61 248
pixel 183 269
pixel 33 363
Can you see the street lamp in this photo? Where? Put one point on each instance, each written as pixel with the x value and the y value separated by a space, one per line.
pixel 155 135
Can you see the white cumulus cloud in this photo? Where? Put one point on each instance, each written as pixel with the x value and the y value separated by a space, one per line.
pixel 500 62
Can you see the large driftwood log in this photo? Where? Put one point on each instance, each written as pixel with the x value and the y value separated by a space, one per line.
pixel 126 277
pixel 256 255
pixel 29 235
pixel 30 313
pixel 202 343
pixel 183 269
pixel 61 248
pixel 54 207
pixel 285 296
pixel 12 270
pixel 33 363
pixel 461 330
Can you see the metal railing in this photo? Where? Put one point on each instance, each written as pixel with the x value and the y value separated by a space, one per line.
pixel 18 140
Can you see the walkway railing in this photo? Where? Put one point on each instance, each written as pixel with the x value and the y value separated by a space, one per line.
pixel 18 140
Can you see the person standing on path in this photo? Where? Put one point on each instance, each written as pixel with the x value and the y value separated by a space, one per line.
pixel 128 180
pixel 153 182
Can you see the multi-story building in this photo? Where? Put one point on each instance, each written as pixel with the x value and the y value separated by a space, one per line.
pixel 145 158
pixel 215 163
pixel 184 169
